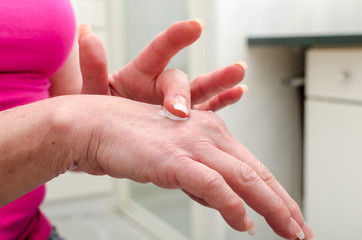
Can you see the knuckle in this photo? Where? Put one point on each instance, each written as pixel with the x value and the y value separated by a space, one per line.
pixel 247 174
pixel 278 205
pixel 235 204
pixel 294 208
pixel 213 180
pixel 213 122
pixel 177 71
pixel 172 169
pixel 265 173
pixel 198 89
pixel 170 150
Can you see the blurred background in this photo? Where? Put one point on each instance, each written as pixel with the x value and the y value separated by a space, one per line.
pixel 301 117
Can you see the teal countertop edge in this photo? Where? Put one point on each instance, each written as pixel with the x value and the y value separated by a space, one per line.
pixel 307 41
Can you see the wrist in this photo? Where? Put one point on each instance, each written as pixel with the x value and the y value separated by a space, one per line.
pixel 74 125
pixel 32 150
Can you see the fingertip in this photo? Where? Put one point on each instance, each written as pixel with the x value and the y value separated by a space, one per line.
pixel 236 92
pixel 181 106
pixel 200 21
pixel 244 88
pixel 177 106
pixel 174 86
pixel 297 230
pixel 170 115
pixel 242 64
pixel 84 29
pixel 249 225
pixel 92 61
pixel 309 235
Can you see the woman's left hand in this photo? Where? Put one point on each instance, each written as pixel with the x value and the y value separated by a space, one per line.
pixel 141 78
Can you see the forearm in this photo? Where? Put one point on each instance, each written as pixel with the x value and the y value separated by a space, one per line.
pixel 33 150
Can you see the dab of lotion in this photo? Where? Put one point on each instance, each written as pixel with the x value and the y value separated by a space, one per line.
pixel 169 115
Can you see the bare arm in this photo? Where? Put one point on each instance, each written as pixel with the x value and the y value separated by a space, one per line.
pixel 31 149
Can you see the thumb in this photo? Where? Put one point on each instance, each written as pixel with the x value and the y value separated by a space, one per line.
pixel 93 62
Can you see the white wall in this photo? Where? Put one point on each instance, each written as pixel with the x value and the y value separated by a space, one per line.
pixel 147 18
pixel 268 118
pixel 281 17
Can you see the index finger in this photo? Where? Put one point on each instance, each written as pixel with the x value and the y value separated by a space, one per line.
pixel 153 59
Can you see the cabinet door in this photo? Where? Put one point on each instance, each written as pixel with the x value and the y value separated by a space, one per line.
pixel 334 73
pixel 333 179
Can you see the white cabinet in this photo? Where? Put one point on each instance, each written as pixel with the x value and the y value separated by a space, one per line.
pixel 333 143
pixel 334 73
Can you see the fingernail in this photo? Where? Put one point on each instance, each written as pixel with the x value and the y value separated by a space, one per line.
pixel 244 87
pixel 249 225
pixel 242 64
pixel 180 103
pixel 200 21
pixel 84 29
pixel 308 232
pixel 296 229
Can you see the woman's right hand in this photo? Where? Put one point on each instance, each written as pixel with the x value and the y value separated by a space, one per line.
pixel 128 139
pixel 140 78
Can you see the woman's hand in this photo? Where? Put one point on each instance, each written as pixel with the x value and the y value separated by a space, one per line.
pixel 129 139
pixel 199 155
pixel 140 79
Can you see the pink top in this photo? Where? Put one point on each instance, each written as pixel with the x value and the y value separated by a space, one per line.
pixel 35 39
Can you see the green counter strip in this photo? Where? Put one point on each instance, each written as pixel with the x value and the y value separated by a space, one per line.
pixel 307 41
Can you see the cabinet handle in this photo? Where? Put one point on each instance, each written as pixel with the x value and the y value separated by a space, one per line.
pixel 344 76
pixel 293 82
